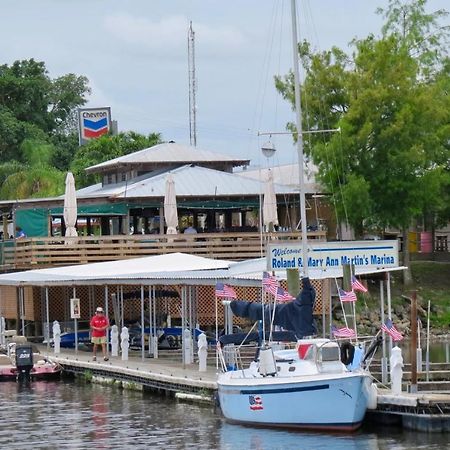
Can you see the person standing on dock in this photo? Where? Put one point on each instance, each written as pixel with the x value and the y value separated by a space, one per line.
pixel 99 325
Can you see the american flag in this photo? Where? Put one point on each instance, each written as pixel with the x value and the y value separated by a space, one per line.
pixel 283 295
pixel 223 290
pixel 270 283
pixel 255 402
pixel 347 296
pixel 343 332
pixel 357 285
pixel 390 329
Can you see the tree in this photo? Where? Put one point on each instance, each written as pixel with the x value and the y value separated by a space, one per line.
pixel 390 102
pixel 35 107
pixel 106 148
pixel 37 178
pixel 418 31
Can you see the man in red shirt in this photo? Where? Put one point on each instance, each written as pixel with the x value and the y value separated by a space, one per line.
pixel 99 326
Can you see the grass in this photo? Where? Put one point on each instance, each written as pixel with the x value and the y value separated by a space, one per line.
pixel 431 281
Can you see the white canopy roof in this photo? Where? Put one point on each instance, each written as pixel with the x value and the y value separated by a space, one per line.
pixel 170 269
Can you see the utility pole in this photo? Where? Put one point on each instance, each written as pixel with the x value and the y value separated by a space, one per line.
pixel 192 87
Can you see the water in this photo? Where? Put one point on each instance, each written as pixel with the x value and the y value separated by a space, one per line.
pixel 71 415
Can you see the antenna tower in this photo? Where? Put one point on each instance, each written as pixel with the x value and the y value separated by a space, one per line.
pixel 192 87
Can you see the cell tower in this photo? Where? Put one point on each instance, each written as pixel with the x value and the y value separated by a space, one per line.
pixel 192 87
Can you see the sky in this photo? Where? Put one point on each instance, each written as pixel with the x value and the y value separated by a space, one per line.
pixel 134 53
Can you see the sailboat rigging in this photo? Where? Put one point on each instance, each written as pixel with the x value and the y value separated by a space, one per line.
pixel 294 387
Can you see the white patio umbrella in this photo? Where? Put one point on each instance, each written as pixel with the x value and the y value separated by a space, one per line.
pixel 170 206
pixel 270 213
pixel 70 206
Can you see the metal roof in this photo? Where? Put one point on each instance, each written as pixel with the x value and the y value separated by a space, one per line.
pixel 190 181
pixel 169 153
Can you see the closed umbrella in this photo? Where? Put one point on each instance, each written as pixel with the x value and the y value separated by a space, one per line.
pixel 170 206
pixel 70 206
pixel 270 213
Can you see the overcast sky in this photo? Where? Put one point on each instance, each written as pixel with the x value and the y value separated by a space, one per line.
pixel 134 53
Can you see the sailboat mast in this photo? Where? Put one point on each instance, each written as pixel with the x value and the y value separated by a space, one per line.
pixel 192 87
pixel 298 110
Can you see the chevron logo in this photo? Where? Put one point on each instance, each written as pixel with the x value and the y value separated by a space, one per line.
pixel 94 123
pixel 93 129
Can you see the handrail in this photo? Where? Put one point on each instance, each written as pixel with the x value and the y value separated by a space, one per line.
pixel 40 252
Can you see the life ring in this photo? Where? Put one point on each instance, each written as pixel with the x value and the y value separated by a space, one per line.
pixel 347 353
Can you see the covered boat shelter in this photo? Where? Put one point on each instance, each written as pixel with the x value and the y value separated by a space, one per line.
pixel 195 277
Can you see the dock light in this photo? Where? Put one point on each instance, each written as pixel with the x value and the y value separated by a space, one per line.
pixel 268 149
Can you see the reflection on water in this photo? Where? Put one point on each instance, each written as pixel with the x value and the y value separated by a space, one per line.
pixel 439 350
pixel 68 415
pixel 241 437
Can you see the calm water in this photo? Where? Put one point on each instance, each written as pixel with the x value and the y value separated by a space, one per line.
pixel 70 415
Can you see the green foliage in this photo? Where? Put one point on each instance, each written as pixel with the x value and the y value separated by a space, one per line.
pixel 432 281
pixel 419 31
pixel 35 178
pixel 39 136
pixel 36 116
pixel 106 148
pixel 66 145
pixel 87 376
pixel 36 182
pixel 9 167
pixel 390 162
pixel 31 96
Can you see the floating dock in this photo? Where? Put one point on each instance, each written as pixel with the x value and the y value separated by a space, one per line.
pixel 423 411
pixel 161 375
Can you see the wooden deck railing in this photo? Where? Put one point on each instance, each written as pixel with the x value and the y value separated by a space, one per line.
pixel 49 252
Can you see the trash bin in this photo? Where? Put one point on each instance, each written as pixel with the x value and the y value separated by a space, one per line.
pixel 426 242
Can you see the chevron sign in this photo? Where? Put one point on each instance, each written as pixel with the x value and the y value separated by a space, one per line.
pixel 93 123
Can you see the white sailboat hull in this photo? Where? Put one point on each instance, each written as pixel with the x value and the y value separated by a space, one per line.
pixel 335 401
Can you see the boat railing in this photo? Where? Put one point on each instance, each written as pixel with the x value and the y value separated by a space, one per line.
pixel 238 357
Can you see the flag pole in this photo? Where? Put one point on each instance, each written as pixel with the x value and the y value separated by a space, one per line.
pixel 217 333
pixel 342 304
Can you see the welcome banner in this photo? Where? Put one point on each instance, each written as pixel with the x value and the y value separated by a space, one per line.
pixel 323 255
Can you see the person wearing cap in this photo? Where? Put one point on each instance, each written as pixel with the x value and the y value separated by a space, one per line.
pixel 99 325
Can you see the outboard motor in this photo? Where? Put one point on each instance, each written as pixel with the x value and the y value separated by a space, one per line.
pixel 24 362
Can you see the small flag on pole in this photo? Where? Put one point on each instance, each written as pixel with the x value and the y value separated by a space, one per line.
pixel 357 285
pixel 283 295
pixel 347 296
pixel 270 283
pixel 269 280
pixel 223 290
pixel 390 329
pixel 343 332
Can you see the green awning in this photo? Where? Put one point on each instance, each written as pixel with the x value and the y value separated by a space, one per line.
pixel 34 221
pixel 219 204
pixel 107 209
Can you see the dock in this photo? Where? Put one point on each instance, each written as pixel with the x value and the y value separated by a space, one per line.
pixel 427 411
pixel 163 375
pixel 422 411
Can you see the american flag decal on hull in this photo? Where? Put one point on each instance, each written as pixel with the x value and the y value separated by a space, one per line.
pixel 255 402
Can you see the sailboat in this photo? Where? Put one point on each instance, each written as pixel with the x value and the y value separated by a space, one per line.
pixel 305 387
